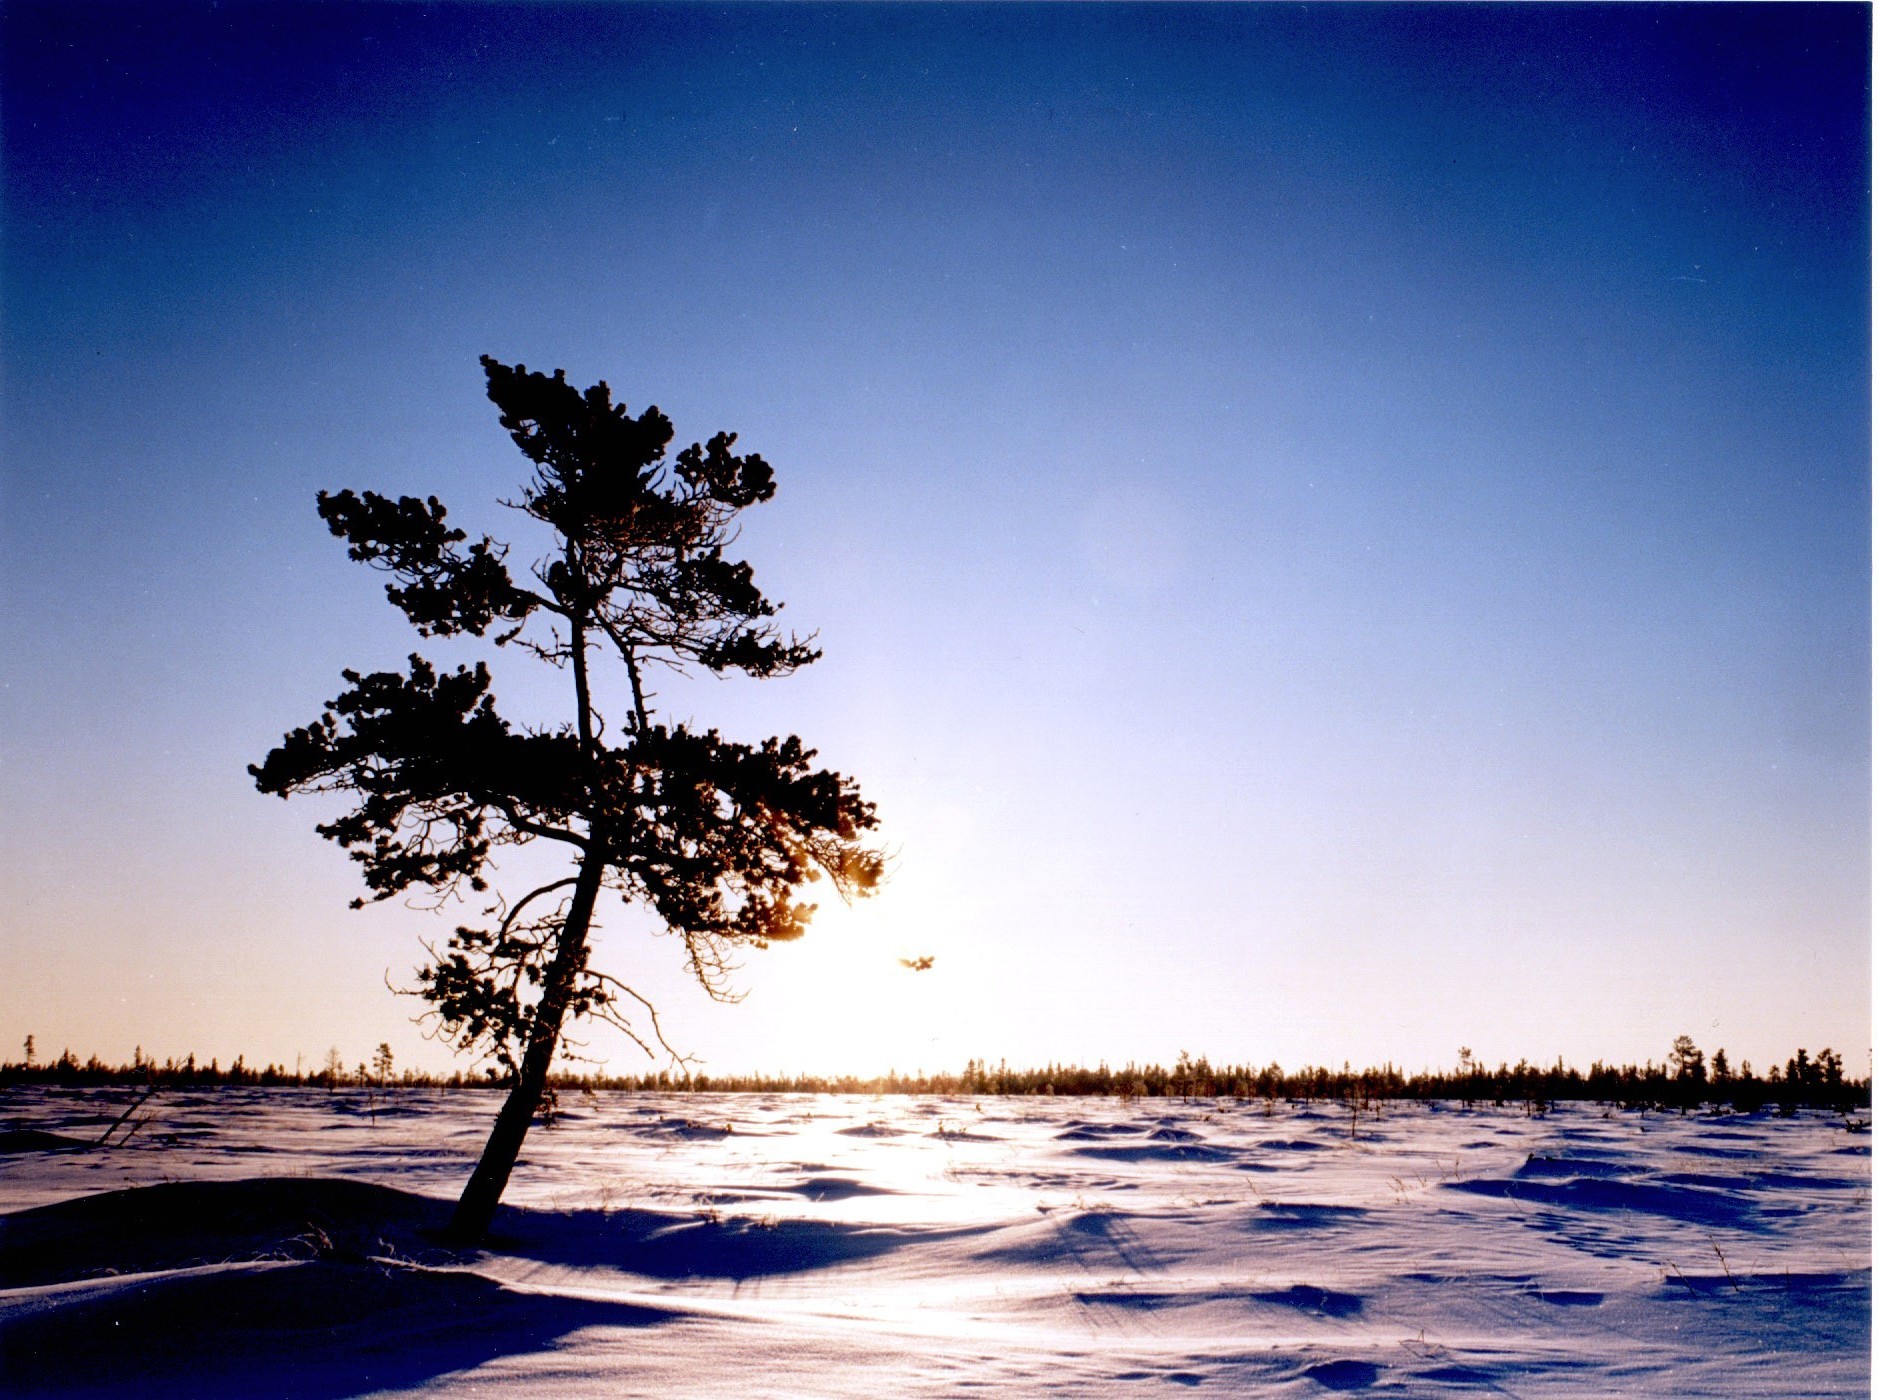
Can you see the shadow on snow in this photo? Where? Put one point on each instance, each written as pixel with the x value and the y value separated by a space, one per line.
pixel 314 1288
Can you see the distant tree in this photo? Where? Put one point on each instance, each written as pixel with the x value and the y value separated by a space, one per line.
pixel 714 838
pixel 1688 1062
pixel 1801 1071
pixel 1831 1068
pixel 31 1050
pixel 381 1062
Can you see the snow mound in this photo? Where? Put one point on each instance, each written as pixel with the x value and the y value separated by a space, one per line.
pixel 181 1224
pixel 300 1331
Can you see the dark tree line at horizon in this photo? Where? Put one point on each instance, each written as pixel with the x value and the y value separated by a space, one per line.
pixel 1686 1080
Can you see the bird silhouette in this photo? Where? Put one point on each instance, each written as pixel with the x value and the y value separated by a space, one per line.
pixel 917 964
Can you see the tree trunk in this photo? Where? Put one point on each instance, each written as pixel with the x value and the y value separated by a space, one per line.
pixel 477 1206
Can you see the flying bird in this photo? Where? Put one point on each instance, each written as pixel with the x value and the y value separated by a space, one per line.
pixel 917 964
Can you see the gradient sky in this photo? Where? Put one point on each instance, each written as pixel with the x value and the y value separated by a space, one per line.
pixel 1338 532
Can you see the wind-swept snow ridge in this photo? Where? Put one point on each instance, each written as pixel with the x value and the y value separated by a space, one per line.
pixel 281 1242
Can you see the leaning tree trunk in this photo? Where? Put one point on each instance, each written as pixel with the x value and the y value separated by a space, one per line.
pixel 477 1206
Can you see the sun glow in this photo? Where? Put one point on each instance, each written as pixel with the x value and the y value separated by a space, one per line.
pixel 866 990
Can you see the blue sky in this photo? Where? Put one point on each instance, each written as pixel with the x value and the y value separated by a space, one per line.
pixel 1337 531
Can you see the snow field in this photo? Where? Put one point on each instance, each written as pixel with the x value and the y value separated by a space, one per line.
pixel 278 1242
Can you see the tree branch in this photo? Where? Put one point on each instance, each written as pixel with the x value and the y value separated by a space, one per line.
pixel 533 828
pixel 652 1013
pixel 508 919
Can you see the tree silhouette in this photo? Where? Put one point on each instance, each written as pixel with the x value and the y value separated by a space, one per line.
pixel 713 837
pixel 1688 1061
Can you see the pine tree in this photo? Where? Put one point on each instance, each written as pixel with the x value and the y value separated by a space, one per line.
pixel 1688 1060
pixel 712 836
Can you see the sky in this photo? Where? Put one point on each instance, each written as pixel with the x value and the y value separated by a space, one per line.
pixel 1338 532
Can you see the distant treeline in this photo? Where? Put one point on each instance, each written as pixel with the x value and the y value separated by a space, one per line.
pixel 1686 1079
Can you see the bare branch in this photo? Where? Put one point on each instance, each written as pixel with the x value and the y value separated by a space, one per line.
pixel 652 1013
pixel 509 918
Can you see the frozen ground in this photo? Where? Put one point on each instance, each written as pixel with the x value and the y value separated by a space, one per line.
pixel 273 1243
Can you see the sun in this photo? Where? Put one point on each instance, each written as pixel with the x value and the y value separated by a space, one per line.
pixel 866 990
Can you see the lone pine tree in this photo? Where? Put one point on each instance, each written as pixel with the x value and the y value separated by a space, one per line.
pixel 713 837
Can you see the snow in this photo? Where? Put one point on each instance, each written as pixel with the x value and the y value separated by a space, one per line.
pixel 280 1243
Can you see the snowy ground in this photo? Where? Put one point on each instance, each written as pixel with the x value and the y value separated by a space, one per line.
pixel 273 1243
